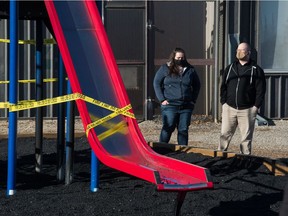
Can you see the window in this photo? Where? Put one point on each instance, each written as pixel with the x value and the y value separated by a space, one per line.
pixel 273 31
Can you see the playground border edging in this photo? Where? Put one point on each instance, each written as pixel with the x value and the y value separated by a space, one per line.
pixel 276 166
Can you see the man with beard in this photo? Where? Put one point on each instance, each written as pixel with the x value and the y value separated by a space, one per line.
pixel 241 94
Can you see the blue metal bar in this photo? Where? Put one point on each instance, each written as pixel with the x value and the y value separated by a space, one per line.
pixel 94 160
pixel 61 123
pixel 94 185
pixel 39 96
pixel 70 124
pixel 11 178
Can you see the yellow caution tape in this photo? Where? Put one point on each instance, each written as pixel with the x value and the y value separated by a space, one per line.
pixel 4 105
pixel 29 104
pixel 49 41
pixel 33 42
pixel 25 101
pixel 108 117
pixel 66 98
pixel 120 127
pixel 107 125
pixel 7 105
pixel 4 40
pixel 4 82
pixel 32 81
pixel 45 102
pixel 106 106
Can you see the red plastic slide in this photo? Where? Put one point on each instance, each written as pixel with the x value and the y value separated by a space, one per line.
pixel 108 119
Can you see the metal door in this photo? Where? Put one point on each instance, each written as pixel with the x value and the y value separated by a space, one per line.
pixel 182 24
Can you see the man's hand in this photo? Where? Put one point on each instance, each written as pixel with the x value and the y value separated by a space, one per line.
pixel 255 109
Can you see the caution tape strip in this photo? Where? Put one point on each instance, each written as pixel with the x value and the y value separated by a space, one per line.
pixel 4 105
pixel 107 118
pixel 107 125
pixel 32 80
pixel 106 106
pixel 41 103
pixel 29 104
pixel 66 98
pixel 33 42
pixel 120 127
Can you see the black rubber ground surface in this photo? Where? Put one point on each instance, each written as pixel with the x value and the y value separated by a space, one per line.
pixel 242 187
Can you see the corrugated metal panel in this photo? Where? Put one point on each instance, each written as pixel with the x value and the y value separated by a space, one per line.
pixel 51 71
pixel 27 68
pixel 276 99
pixel 3 65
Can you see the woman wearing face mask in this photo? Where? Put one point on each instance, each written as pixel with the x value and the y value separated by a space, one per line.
pixel 177 86
pixel 242 93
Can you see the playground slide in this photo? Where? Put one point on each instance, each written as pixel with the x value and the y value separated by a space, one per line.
pixel 111 128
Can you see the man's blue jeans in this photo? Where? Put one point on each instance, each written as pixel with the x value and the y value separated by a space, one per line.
pixel 175 117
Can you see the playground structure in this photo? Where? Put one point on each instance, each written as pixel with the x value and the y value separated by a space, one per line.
pixel 103 104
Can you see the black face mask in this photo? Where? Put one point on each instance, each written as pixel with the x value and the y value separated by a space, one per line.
pixel 180 62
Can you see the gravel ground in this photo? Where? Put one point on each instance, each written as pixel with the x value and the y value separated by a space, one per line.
pixel 269 141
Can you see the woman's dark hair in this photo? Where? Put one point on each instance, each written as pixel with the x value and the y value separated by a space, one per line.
pixel 173 68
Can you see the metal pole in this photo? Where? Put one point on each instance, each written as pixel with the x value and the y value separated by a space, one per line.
pixel 12 157
pixel 216 57
pixel 94 182
pixel 39 96
pixel 94 172
pixel 60 123
pixel 69 138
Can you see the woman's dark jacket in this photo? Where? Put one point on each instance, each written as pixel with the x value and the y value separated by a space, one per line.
pixel 243 86
pixel 177 89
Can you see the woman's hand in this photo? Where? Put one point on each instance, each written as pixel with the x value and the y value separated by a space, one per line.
pixel 165 102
